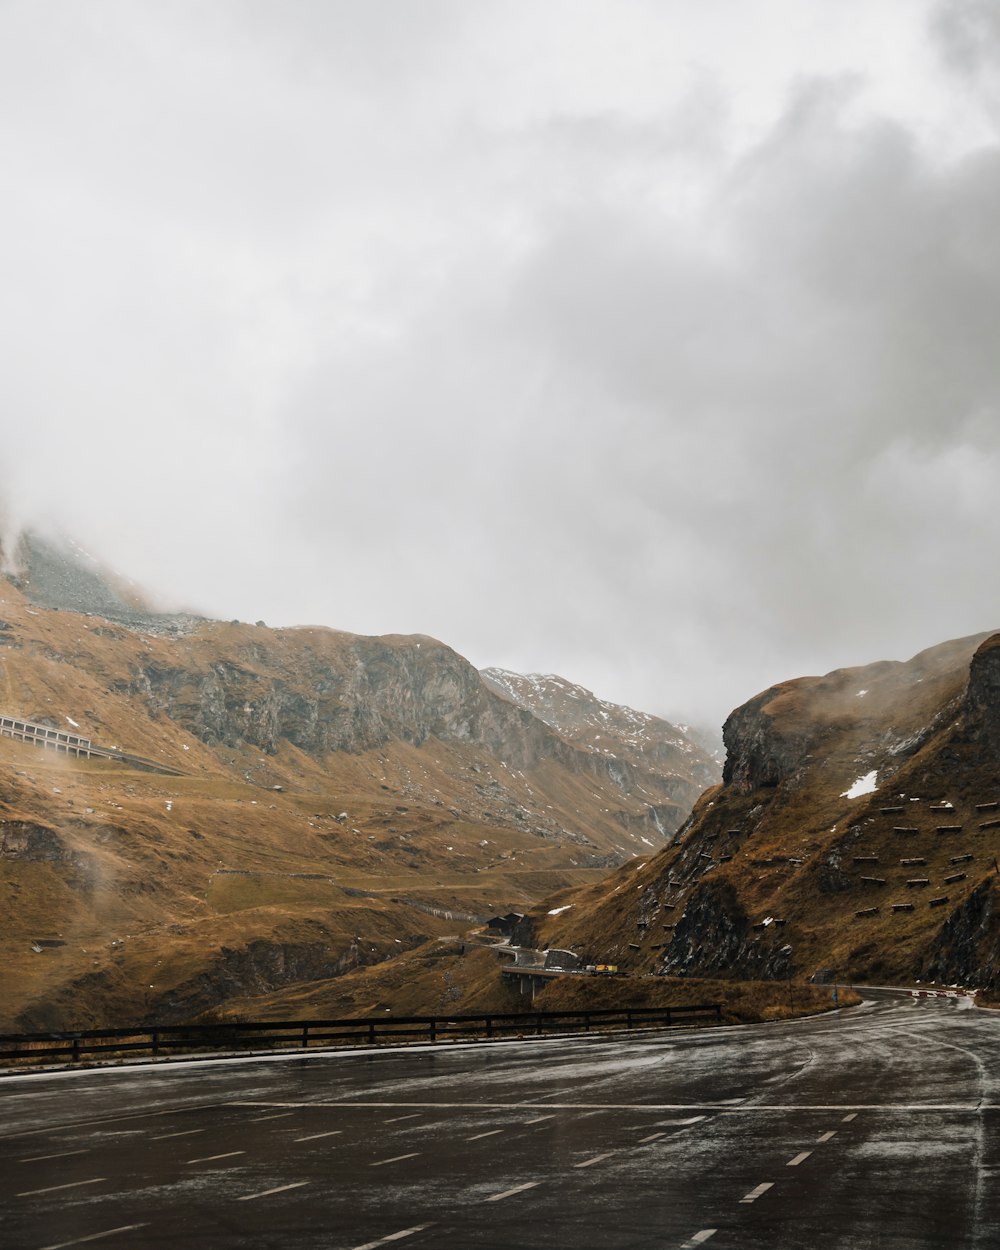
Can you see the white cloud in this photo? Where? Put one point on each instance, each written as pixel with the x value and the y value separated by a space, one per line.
pixel 648 342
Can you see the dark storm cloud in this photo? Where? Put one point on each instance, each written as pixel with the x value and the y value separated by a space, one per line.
pixel 607 339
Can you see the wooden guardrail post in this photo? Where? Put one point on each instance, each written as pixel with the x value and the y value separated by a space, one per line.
pixel 305 1035
pixel 154 1042
pixel 432 1028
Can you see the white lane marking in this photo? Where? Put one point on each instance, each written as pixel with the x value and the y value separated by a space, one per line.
pixel 108 1232
pixel 794 1163
pixel 261 1118
pixel 211 1158
pixel 699 1239
pixel 406 1232
pixel 652 1137
pixel 63 1154
pixel 492 1133
pixel 188 1132
pixel 539 1118
pixel 509 1193
pixel 848 1118
pixel 587 1163
pixel 827 1136
pixel 396 1118
pixel 396 1159
pixel 694 1119
pixel 51 1189
pixel 334 1132
pixel 656 1107
pixel 754 1194
pixel 278 1189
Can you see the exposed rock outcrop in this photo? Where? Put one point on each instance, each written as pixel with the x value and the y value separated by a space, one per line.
pixel 856 833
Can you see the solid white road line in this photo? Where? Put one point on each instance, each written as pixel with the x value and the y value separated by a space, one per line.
pixel 278 1189
pixel 492 1133
pixel 109 1232
pixel 794 1163
pixel 51 1189
pixel 754 1194
pixel 848 1118
pixel 188 1132
pixel 382 1241
pixel 334 1132
pixel 396 1118
pixel 395 1159
pixel 725 1108
pixel 211 1158
pixel 652 1137
pixel 587 1163
pixel 63 1154
pixel 509 1193
pixel 827 1136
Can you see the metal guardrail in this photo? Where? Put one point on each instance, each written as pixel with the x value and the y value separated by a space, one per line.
pixel 17 1049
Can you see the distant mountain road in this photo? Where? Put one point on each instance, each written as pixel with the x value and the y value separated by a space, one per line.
pixel 878 1127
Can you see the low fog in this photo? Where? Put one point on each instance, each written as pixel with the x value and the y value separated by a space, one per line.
pixel 654 344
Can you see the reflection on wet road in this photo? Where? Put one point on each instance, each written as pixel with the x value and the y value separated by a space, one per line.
pixel 876 1127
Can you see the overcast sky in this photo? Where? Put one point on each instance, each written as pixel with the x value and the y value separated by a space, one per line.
pixel 651 342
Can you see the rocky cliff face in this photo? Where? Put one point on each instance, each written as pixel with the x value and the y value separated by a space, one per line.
pixel 856 834
pixel 325 692
pixel 643 754
pixel 981 705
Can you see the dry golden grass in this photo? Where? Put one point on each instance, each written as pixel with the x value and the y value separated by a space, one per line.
pixel 145 894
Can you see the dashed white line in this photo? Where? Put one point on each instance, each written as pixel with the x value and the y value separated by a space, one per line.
pixel 827 1136
pixel 396 1159
pixel 509 1193
pixel 188 1132
pixel 108 1232
pixel 587 1163
pixel 211 1158
pixel 699 1239
pixel 51 1189
pixel 539 1118
pixel 261 1118
pixel 794 1163
pixel 63 1154
pixel 396 1118
pixel 754 1194
pixel 848 1118
pixel 492 1133
pixel 382 1241
pixel 652 1137
pixel 334 1132
pixel 278 1189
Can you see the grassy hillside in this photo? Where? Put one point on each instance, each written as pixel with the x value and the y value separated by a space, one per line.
pixel 340 800
pixel 791 869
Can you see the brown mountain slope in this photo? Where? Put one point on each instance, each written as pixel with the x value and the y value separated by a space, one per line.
pixel 790 868
pixel 338 799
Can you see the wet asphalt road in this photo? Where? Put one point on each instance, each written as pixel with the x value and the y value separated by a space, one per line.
pixel 877 1127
